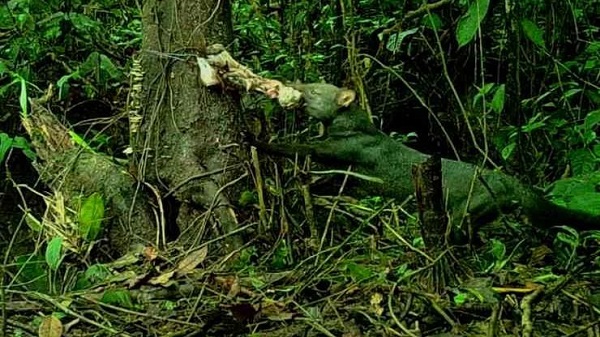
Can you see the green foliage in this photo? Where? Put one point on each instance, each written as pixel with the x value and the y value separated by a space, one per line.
pixel 54 252
pixel 281 256
pixel 94 275
pixel 7 142
pixel 533 33
pixel 358 272
pixel 566 244
pixel 83 47
pixel 50 31
pixel 470 23
pixel 247 198
pixel 118 297
pixel 91 216
pixel 395 40
pixel 31 272
pixel 579 192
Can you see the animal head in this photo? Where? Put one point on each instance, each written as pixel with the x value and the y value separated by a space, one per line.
pixel 322 100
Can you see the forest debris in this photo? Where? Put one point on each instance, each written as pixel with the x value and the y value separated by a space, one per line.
pixel 48 135
pixel 72 170
pixel 163 279
pixel 219 64
pixel 50 327
pixel 191 261
pixel 184 267
pixel 526 306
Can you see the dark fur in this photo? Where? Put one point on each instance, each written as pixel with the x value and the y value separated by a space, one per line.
pixel 481 194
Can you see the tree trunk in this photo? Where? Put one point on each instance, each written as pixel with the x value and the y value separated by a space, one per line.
pixel 187 129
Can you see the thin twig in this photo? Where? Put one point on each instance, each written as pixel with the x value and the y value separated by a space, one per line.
pixel 526 321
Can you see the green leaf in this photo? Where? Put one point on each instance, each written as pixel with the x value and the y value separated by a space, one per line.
pixel 571 237
pixel 33 223
pixel 3 67
pixel 582 161
pixel 358 272
pixel 23 97
pixel 52 32
pixel 498 249
pixel 508 150
pixel 470 22
pixel 460 298
pixel 247 198
pixel 433 21
pixel 6 143
pixel 107 66
pixel 592 119
pixel 63 86
pixel 90 64
pixel 80 141
pixel 118 297
pixel 23 144
pixel 90 217
pixel 53 252
pixel 498 99
pixel 97 273
pixel 32 272
pixel 533 33
pixel 395 40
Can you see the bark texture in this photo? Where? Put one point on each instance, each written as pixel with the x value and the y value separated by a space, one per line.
pixel 188 129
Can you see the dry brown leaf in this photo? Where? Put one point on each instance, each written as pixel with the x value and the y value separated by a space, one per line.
pixel 162 279
pixel 275 311
pixel 150 253
pixel 50 327
pixel 190 262
pixel 234 290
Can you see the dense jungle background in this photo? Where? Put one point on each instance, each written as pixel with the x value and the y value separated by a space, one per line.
pixel 508 85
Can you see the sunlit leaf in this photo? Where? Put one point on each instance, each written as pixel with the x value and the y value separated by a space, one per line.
pixel 54 252
pixel 358 272
pixel 469 24
pixel 80 141
pixel 23 97
pixel 50 326
pixel 460 298
pixel 582 161
pixel 91 216
pixel 33 223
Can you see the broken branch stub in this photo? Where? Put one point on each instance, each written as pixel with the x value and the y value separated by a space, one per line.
pixel 219 67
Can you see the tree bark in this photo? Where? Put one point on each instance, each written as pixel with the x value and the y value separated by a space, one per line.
pixel 187 129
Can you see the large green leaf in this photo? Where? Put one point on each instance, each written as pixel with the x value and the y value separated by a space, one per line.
pixel 470 22
pixel 578 193
pixel 90 217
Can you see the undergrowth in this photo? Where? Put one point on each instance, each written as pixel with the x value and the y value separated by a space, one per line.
pixel 320 263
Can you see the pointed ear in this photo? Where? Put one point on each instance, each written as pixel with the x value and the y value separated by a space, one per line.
pixel 345 97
